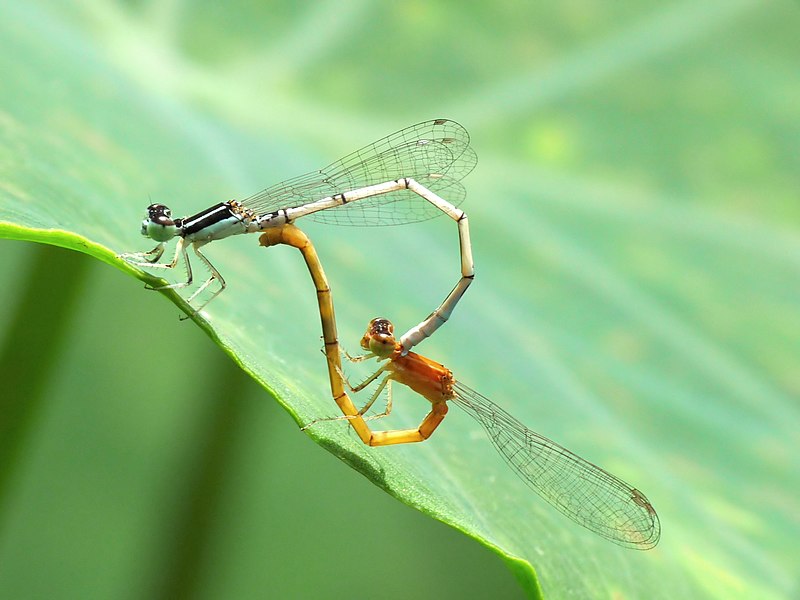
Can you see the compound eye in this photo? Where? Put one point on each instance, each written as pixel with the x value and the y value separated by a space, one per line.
pixel 159 210
pixel 381 326
pixel 160 214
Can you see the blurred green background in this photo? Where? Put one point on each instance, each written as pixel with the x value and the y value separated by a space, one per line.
pixel 636 227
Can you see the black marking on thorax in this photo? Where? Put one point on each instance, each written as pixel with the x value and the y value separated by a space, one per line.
pixel 207 218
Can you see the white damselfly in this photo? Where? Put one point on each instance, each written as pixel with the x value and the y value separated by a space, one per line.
pixel 401 178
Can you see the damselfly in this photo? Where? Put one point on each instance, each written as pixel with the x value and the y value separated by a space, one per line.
pixel 402 178
pixel 587 494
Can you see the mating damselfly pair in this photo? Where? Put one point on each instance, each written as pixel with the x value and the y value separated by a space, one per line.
pixel 404 178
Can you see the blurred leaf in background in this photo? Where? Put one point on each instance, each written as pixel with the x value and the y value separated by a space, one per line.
pixel 636 227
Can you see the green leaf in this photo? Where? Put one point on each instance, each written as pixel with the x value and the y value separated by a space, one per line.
pixel 635 225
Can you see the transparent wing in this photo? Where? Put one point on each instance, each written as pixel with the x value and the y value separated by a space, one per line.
pixel 582 491
pixel 436 153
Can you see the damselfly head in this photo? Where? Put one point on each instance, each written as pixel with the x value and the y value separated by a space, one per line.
pixel 158 224
pixel 379 338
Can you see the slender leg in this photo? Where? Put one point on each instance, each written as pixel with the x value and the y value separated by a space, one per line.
pixel 358 357
pixel 387 410
pixel 215 276
pixel 357 388
pixel 144 259
pixel 367 381
pixel 180 252
pixel 385 383
pixel 156 253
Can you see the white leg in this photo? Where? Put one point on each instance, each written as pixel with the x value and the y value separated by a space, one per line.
pixel 144 259
pixel 215 276
pixel 180 251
